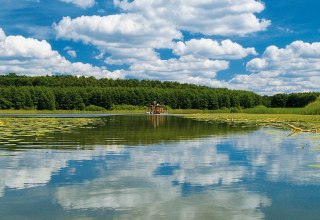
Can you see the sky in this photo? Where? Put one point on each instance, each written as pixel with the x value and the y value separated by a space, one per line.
pixel 265 46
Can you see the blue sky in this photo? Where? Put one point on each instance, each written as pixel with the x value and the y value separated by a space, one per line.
pixel 265 46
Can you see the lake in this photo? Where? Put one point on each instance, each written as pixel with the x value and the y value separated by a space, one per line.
pixel 155 167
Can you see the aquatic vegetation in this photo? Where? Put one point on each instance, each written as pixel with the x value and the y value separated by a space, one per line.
pixel 23 131
pixel 297 123
pixel 315 165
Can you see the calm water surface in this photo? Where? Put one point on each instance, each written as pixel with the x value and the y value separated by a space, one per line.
pixel 160 167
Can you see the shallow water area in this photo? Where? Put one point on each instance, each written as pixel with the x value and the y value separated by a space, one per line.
pixel 155 167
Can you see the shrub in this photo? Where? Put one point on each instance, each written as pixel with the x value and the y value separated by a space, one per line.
pixel 128 107
pixel 94 108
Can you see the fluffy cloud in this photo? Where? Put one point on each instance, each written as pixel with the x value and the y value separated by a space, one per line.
pixel 186 69
pixel 81 3
pixel 121 56
pixel 207 48
pixel 72 53
pixel 298 58
pixel 2 35
pixel 33 57
pixel 291 69
pixel 125 36
pixel 219 17
pixel 117 30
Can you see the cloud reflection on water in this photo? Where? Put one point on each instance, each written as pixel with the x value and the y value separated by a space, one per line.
pixel 187 179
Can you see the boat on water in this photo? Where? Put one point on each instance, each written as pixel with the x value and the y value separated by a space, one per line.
pixel 157 109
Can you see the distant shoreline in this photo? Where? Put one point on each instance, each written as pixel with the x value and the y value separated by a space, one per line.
pixel 295 122
pixel 70 112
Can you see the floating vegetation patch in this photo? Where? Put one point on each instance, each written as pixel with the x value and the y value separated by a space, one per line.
pixel 315 166
pixel 10 145
pixel 26 131
pixel 7 155
pixel 296 123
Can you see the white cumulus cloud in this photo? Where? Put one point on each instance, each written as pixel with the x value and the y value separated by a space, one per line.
pixel 71 52
pixel 294 68
pixel 2 35
pixel 81 3
pixel 187 69
pixel 298 58
pixel 207 48
pixel 33 57
pixel 210 17
pixel 127 37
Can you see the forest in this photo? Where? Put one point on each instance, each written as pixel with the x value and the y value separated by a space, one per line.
pixel 80 93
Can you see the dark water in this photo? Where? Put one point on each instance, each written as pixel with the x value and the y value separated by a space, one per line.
pixel 147 167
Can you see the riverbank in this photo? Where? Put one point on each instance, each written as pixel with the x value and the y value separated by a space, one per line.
pixel 295 122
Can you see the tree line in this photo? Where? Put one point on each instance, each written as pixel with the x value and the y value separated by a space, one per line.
pixel 70 92
pixel 69 98
pixel 293 100
pixel 13 79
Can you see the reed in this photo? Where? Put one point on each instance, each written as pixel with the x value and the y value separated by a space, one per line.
pixel 313 108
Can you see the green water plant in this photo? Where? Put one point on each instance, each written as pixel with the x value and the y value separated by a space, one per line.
pixel 16 131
